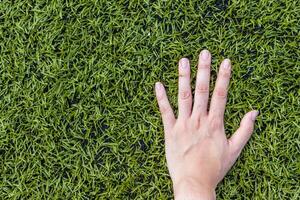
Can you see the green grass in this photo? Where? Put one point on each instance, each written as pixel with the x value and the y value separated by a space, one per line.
pixel 78 116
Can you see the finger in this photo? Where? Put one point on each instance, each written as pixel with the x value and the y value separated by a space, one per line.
pixel 165 108
pixel 219 97
pixel 202 85
pixel 242 134
pixel 184 89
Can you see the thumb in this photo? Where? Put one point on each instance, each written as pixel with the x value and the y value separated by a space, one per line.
pixel 243 133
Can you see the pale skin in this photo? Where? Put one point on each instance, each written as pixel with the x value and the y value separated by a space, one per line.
pixel 198 152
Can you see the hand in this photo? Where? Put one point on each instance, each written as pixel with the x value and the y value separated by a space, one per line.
pixel 197 151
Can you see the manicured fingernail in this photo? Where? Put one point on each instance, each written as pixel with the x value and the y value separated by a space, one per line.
pixel 254 115
pixel 204 54
pixel 226 64
pixel 158 85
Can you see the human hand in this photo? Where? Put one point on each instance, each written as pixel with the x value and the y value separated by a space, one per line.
pixel 198 152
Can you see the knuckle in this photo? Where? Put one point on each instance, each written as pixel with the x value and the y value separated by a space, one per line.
pixel 184 126
pixel 185 95
pixel 199 106
pixel 204 65
pixel 196 122
pixel 202 89
pixel 215 123
pixel 248 128
pixel 225 74
pixel 221 93
pixel 183 74
pixel 159 97
pixel 164 110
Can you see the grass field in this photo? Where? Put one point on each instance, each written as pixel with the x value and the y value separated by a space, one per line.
pixel 78 115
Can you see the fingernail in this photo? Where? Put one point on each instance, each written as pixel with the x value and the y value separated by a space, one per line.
pixel 226 64
pixel 158 85
pixel 183 63
pixel 204 54
pixel 254 115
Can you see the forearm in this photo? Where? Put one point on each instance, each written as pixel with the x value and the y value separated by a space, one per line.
pixel 189 190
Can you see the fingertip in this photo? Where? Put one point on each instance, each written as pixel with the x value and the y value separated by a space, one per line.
pixel 204 54
pixel 183 59
pixel 184 64
pixel 254 114
pixel 226 64
pixel 158 85
pixel 243 133
pixel 160 91
pixel 249 118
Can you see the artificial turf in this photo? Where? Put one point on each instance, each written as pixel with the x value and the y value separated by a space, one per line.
pixel 78 115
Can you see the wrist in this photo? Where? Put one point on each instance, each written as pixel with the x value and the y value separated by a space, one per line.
pixel 190 189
